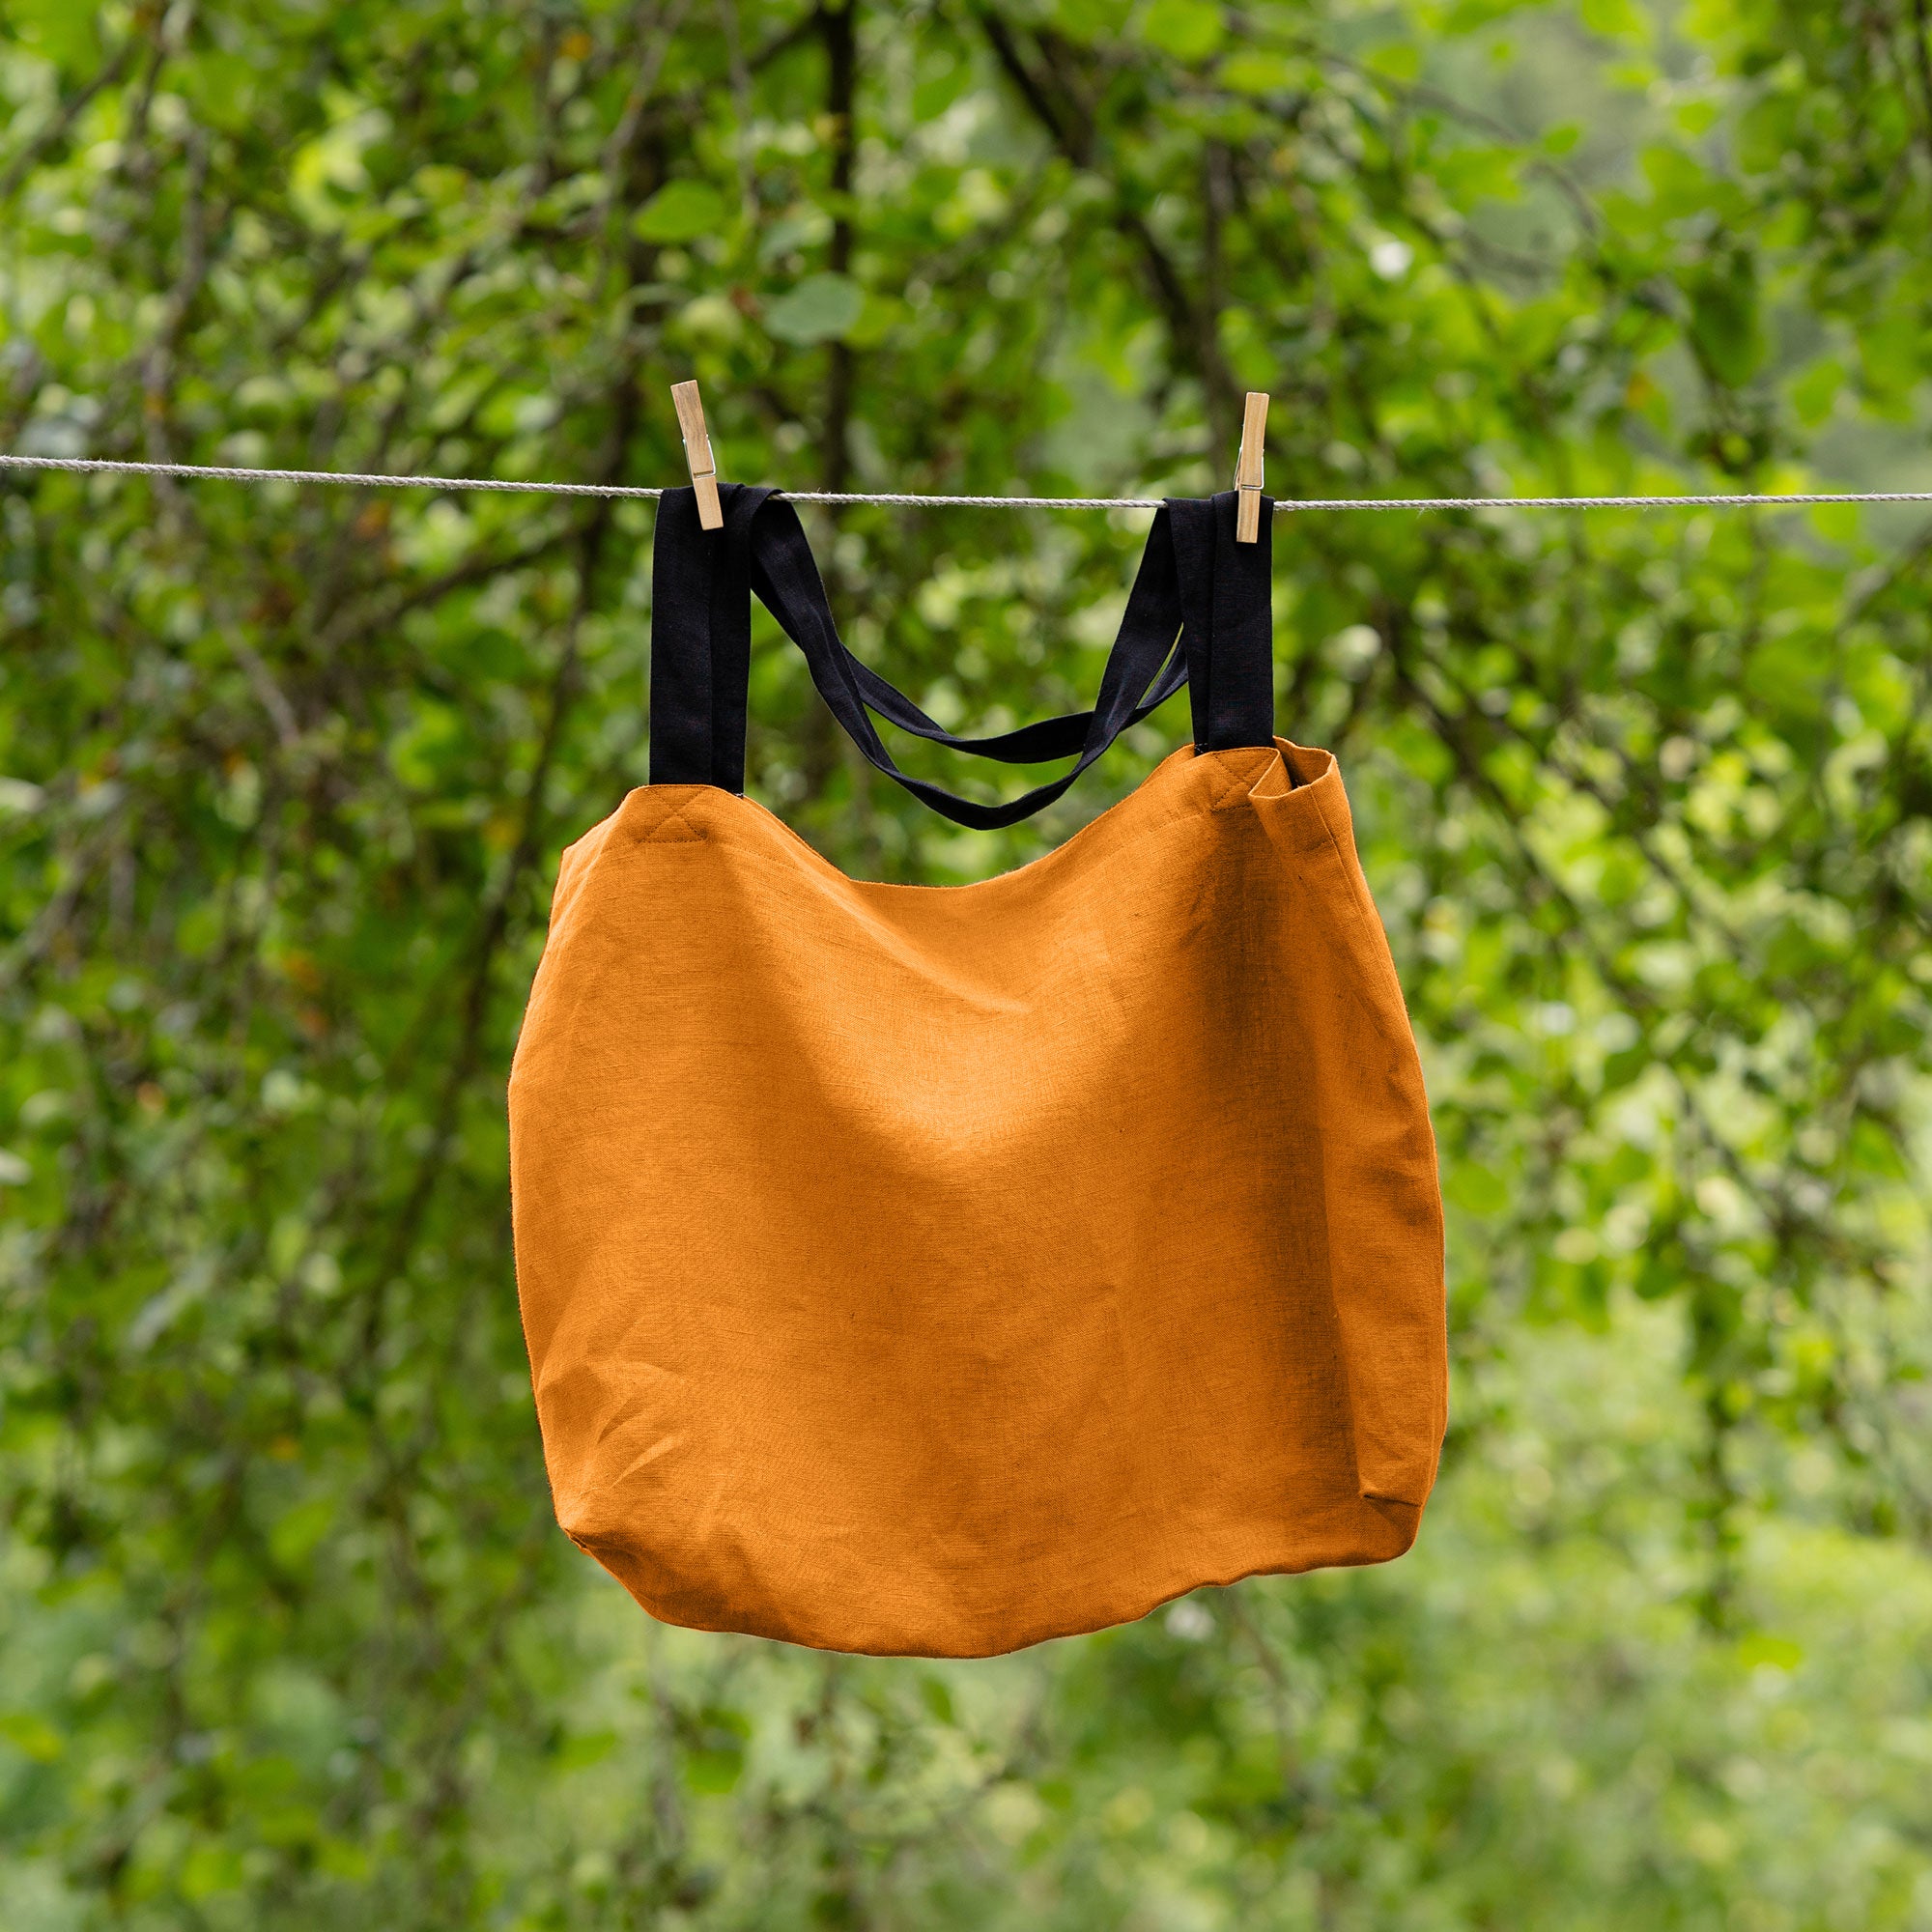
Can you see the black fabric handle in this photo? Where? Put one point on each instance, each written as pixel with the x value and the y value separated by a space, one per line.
pixel 700 643
pixel 1035 744
pixel 1227 607
pixel 1195 584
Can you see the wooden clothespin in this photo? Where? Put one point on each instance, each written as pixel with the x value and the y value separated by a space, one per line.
pixel 1248 468
pixel 697 453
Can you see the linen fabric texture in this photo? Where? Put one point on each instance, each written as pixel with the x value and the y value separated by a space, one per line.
pixel 936 1271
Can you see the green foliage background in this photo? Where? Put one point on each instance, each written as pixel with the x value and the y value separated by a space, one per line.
pixel 287 1634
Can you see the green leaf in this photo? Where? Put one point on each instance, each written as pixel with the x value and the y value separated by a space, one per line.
pixel 1757 1650
pixel 1191 30
pixel 821 308
pixel 218 84
pixel 1837 523
pixel 1468 175
pixel 585 1749
pixel 293 1538
pixel 1399 60
pixel 937 92
pixel 1891 354
pixel 209 1869
pixel 1478 1189
pixel 714 1771
pixel 1087 20
pixel 1254 72
pixel 1468 16
pixel 681 211
pixel 1615 20
pixel 64 30
pixel 1815 392
pixel 1660 1275
pixel 1682 188
pixel 879 315
pixel 31 1735
pixel 1725 323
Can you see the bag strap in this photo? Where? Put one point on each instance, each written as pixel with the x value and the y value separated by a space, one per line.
pixel 1035 744
pixel 700 641
pixel 1227 607
pixel 1194 583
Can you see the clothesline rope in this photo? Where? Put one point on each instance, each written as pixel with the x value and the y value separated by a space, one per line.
pixel 227 474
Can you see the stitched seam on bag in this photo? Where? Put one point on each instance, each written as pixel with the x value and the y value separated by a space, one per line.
pixel 1362 909
pixel 1057 854
pixel 1236 783
pixel 828 873
pixel 660 833
pixel 1082 836
pixel 788 871
pixel 1219 784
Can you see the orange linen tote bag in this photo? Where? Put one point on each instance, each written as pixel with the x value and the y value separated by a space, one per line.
pixel 936 1271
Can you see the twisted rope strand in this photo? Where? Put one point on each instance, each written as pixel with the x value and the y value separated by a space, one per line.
pixel 225 473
